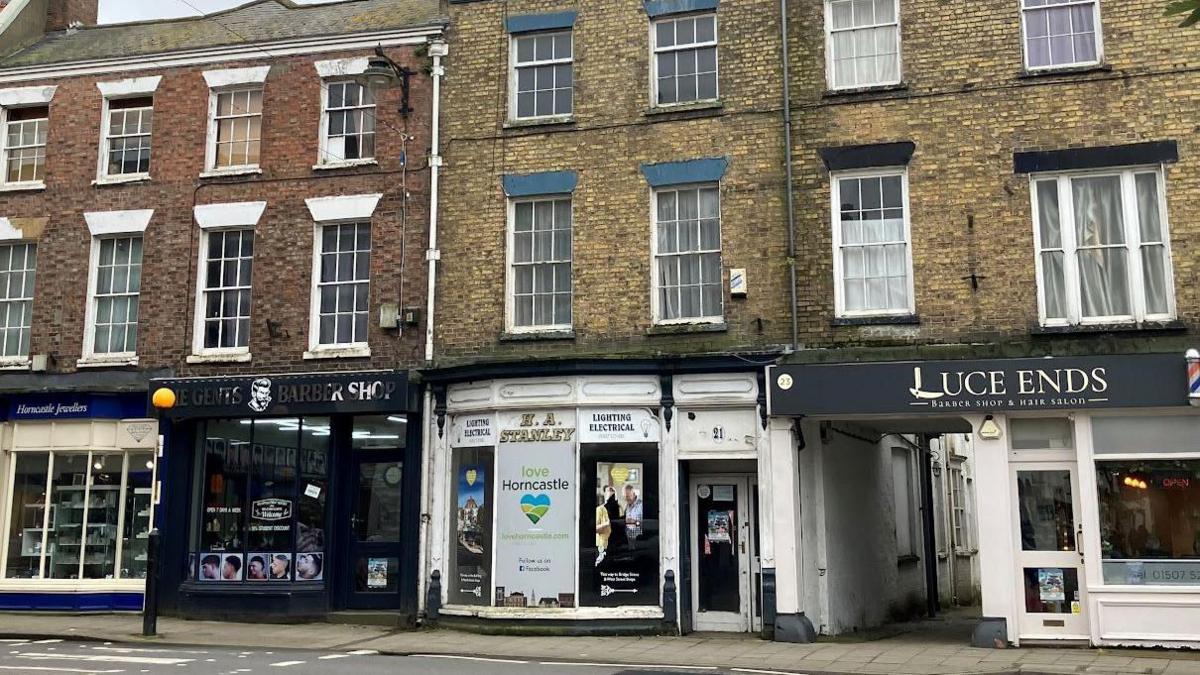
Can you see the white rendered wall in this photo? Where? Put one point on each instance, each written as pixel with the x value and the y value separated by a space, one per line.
pixel 995 534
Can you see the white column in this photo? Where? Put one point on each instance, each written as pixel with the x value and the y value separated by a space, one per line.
pixel 780 471
pixel 668 508
pixel 437 502
pixel 997 550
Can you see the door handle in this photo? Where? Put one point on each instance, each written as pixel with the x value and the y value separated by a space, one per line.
pixel 1079 542
pixel 742 546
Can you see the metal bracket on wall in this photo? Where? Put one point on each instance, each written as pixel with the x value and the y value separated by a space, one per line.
pixel 667 385
pixel 439 407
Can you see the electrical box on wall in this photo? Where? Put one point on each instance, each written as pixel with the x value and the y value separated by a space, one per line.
pixel 389 315
pixel 737 282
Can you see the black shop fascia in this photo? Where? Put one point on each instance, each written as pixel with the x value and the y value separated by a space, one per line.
pixel 290 495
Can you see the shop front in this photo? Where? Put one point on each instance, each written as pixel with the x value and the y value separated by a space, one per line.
pixel 1087 473
pixel 77 496
pixel 563 503
pixel 297 495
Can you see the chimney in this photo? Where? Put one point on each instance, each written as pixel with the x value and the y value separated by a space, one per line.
pixel 62 14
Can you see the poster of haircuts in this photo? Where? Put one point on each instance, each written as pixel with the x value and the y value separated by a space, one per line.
pixel 471 560
pixel 310 566
pixel 535 513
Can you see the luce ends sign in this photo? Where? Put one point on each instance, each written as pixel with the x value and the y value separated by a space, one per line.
pixel 924 387
pixel 317 393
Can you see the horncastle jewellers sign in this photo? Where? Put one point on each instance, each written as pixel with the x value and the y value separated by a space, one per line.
pixel 941 387
pixel 316 393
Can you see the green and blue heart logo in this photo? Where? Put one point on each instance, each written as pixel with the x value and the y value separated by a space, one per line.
pixel 535 508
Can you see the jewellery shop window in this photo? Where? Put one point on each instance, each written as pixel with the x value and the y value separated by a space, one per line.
pixel 80 515
pixel 1148 489
pixel 261 505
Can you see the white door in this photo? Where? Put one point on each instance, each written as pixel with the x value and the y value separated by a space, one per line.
pixel 724 553
pixel 1052 585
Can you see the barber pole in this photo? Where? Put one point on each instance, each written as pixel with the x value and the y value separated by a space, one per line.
pixel 1193 370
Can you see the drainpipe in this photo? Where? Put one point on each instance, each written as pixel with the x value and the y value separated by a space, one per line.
pixel 787 160
pixel 424 542
pixel 437 49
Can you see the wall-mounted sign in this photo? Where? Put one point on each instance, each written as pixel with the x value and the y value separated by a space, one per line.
pixel 618 425
pixel 923 387
pixel 472 431
pixel 545 426
pixel 707 432
pixel 316 393
pixel 74 406
pixel 271 509
pixel 139 433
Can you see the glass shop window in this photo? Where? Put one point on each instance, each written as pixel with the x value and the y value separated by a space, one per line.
pixel 262 501
pixel 618 533
pixel 80 515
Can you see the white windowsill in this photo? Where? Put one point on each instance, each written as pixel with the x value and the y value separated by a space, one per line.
pixel 20 187
pixel 21 363
pixel 218 357
pixel 345 164
pixel 334 352
pixel 232 171
pixel 107 361
pixel 119 180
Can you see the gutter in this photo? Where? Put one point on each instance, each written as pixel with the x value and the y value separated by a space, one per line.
pixel 787 154
pixel 437 49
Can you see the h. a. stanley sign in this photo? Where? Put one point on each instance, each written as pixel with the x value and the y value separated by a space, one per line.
pixel 1141 380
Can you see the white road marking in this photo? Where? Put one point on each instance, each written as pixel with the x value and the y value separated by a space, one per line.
pixel 764 672
pixel 363 652
pixel 143 650
pixel 47 642
pixel 46 669
pixel 12 639
pixel 649 666
pixel 149 660
pixel 334 656
pixel 285 664
pixel 466 658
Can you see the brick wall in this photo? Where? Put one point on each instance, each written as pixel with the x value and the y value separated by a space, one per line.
pixel 610 137
pixel 62 13
pixel 283 238
pixel 967 105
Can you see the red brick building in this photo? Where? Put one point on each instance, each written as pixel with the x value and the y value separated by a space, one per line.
pixel 212 197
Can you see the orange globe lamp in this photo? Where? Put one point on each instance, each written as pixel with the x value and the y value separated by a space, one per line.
pixel 163 398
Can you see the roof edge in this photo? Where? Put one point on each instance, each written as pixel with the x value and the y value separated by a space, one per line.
pixel 330 42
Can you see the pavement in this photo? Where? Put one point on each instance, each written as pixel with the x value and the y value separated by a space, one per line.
pixel 933 647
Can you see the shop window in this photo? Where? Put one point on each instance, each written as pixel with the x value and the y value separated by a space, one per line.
pixel 618 534
pixel 470 565
pixel 1149 532
pixel 80 515
pixel 29 510
pixel 256 521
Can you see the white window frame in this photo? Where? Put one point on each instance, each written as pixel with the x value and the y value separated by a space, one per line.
pixel 510 285
pixel 336 211
pixel 835 220
pixel 136 87
pixel 104 225
pixel 829 56
pixel 325 160
pixel 220 218
pixel 102 174
pixel 1133 243
pixel 513 67
pixel 12 237
pixel 1065 66
pixel 655 300
pixel 222 82
pixel 22 97
pixel 654 51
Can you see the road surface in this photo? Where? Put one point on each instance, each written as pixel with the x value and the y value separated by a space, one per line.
pixel 64 657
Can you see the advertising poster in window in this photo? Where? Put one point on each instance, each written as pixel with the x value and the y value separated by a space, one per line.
pixel 470 575
pixel 535 511
pixel 619 528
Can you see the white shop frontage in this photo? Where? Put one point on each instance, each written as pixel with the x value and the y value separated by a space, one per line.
pixel 1087 473
pixel 601 502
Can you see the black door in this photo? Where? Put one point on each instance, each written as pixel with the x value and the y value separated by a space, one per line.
pixel 376 482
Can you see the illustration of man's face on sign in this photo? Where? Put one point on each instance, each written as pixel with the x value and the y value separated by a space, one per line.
pixel 260 394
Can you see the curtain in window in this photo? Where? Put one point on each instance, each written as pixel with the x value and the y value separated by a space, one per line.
pixel 1100 240
pixel 1053 264
pixel 1154 250
pixel 668 270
